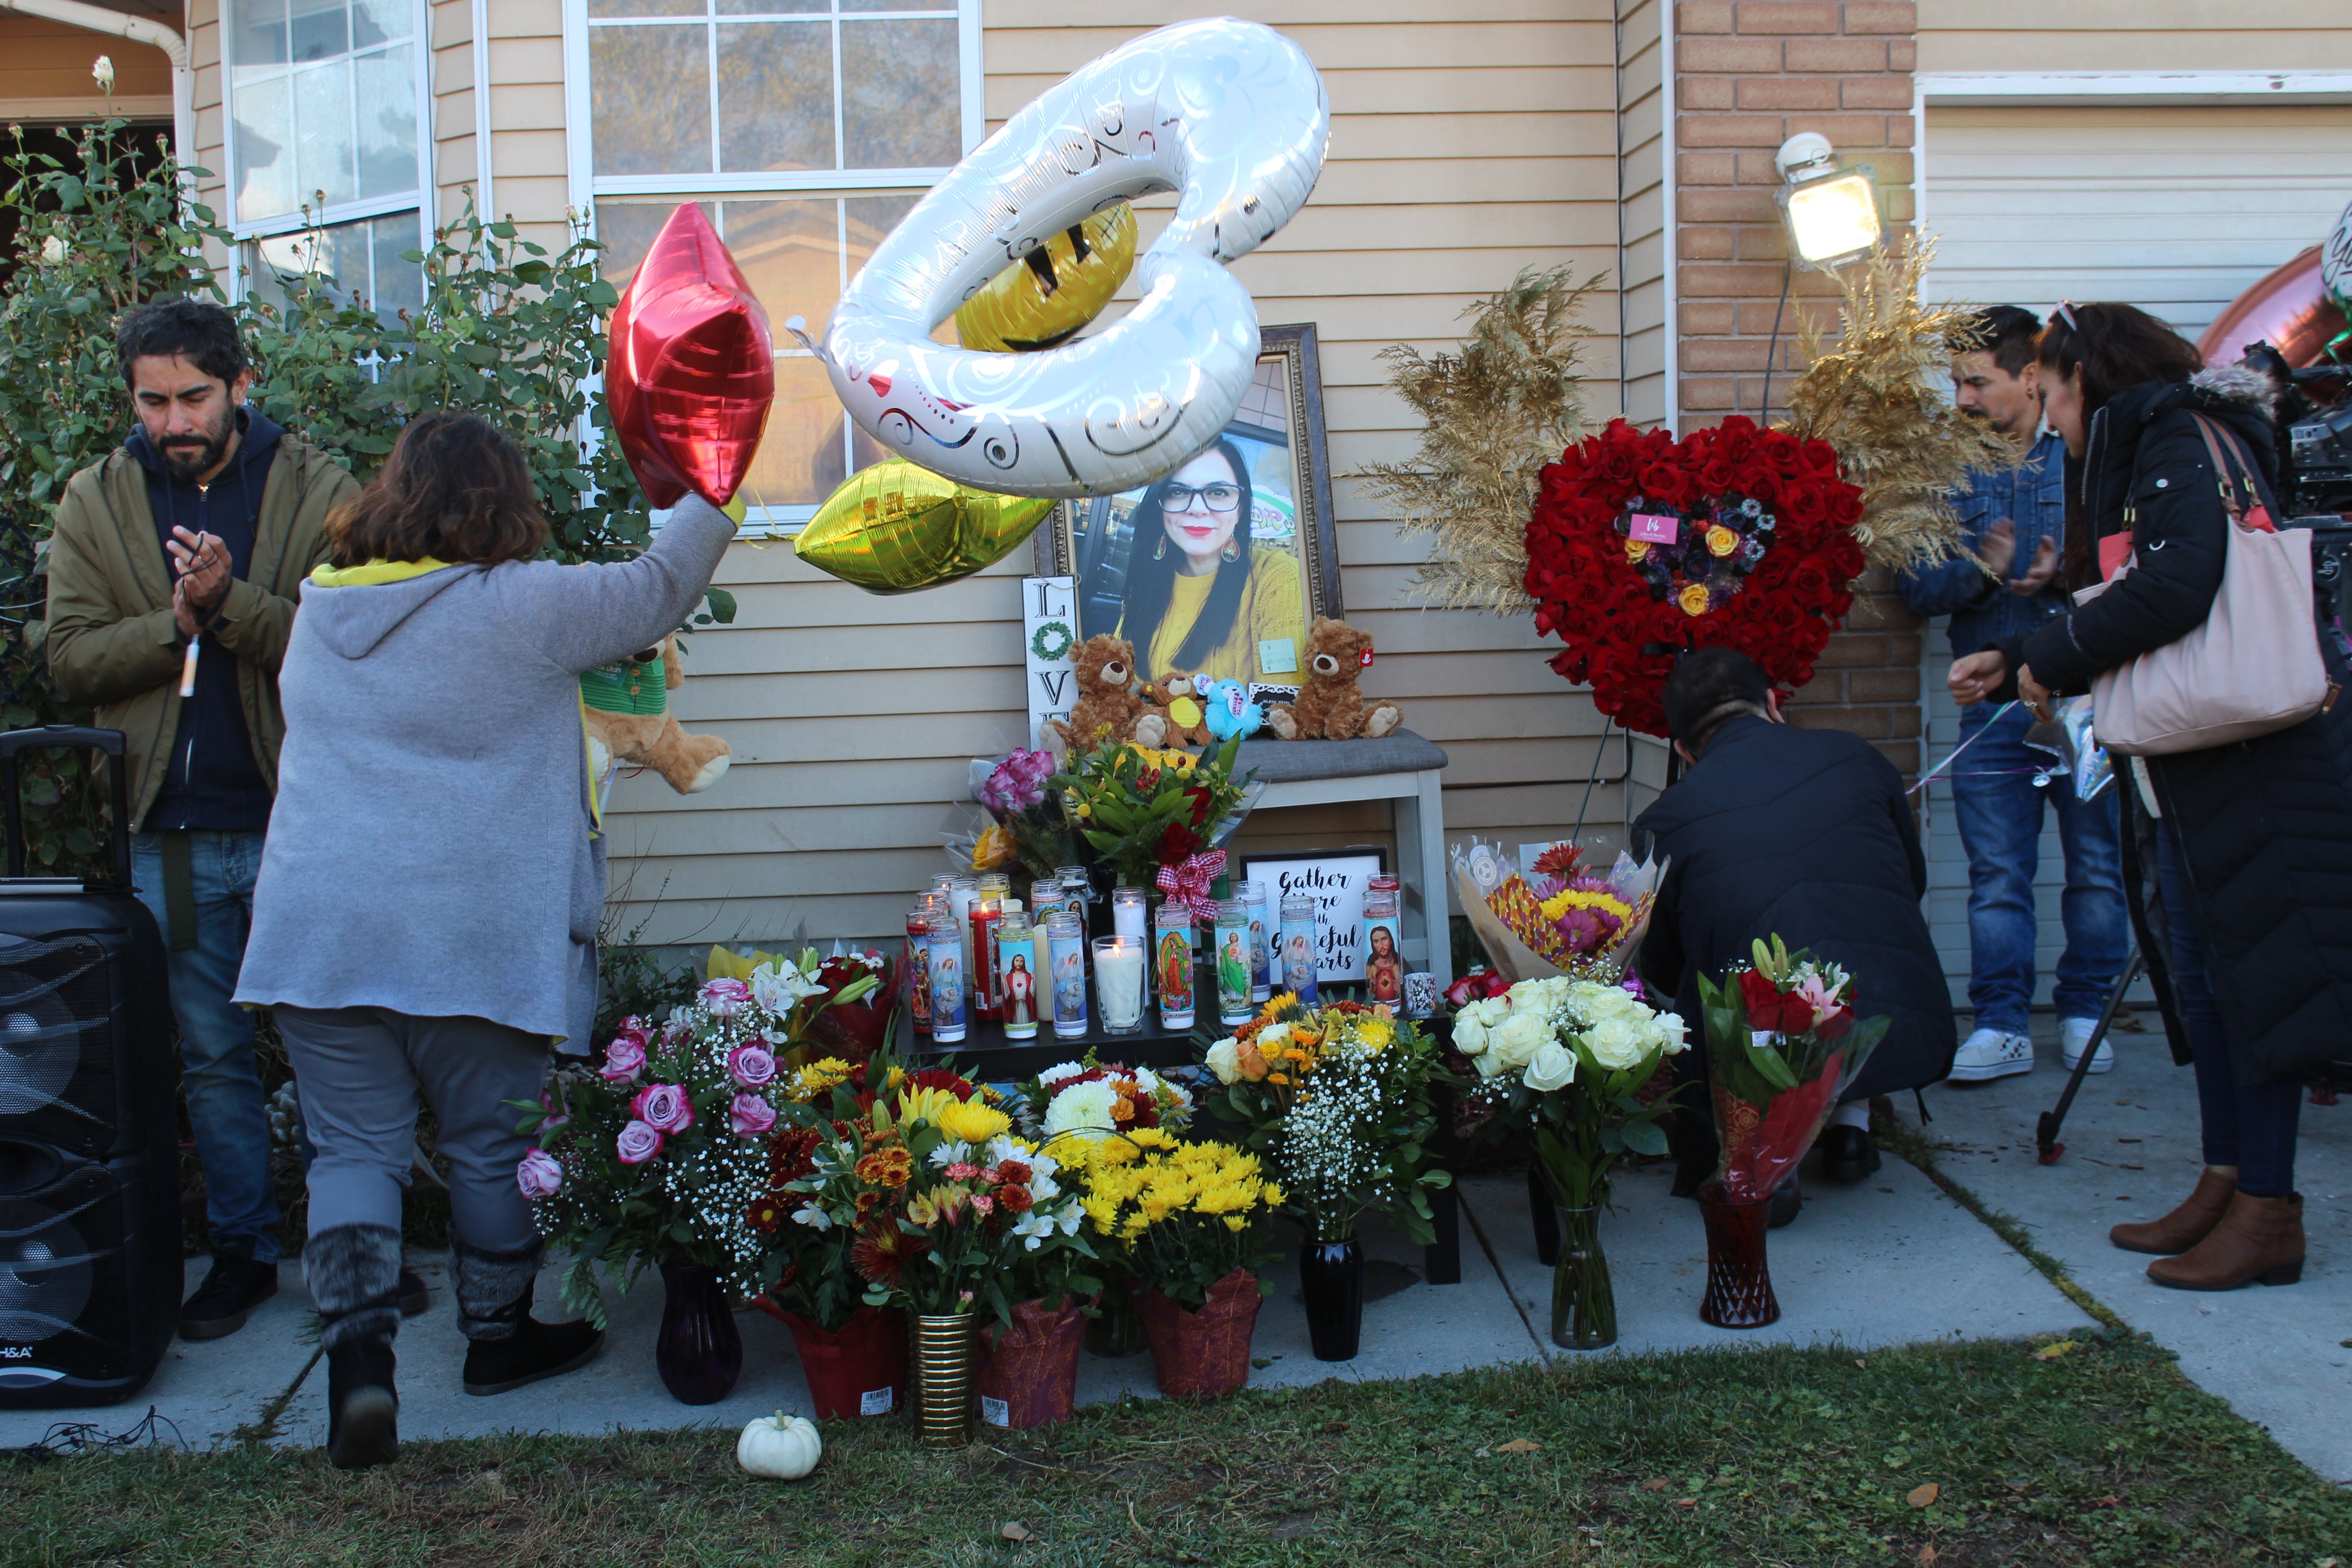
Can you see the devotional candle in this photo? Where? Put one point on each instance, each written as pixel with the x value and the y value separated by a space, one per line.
pixel 1017 971
pixel 1299 943
pixel 947 944
pixel 962 891
pixel 1127 913
pixel 1171 966
pixel 1119 983
pixel 1261 940
pixel 1230 957
pixel 917 965
pixel 1066 951
pixel 1077 893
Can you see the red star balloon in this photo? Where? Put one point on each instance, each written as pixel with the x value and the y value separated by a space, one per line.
pixel 692 370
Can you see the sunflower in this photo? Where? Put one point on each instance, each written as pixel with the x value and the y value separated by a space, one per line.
pixel 882 1252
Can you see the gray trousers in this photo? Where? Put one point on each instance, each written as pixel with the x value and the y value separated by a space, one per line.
pixel 358 1071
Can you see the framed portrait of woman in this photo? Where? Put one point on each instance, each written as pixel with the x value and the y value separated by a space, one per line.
pixel 1218 568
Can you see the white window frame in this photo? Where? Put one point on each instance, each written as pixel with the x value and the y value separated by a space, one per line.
pixel 415 201
pixel 586 186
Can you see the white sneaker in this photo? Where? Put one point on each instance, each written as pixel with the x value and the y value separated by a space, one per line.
pixel 1990 1054
pixel 2074 1034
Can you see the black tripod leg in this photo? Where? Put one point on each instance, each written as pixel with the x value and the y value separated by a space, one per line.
pixel 2046 1131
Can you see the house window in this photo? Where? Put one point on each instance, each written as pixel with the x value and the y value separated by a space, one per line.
pixel 325 106
pixel 806 129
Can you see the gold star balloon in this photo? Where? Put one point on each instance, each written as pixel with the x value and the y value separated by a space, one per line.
pixel 1053 290
pixel 894 528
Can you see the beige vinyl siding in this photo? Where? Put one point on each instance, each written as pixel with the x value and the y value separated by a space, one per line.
pixel 456 168
pixel 2133 35
pixel 1642 189
pixel 44 70
pixel 1465 147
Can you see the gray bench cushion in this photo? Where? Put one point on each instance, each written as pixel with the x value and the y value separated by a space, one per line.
pixel 1282 762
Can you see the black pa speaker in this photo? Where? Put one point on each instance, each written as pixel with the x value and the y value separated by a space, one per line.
pixel 90 1262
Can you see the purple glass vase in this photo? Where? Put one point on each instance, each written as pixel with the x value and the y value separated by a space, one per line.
pixel 699 1351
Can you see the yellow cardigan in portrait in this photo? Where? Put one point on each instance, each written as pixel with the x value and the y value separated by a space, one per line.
pixel 1265 641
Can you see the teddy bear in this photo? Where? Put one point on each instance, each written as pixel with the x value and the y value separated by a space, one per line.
pixel 1179 697
pixel 1231 711
pixel 1329 706
pixel 1107 707
pixel 624 707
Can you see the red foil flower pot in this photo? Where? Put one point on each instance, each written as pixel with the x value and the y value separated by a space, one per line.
pixel 1029 1373
pixel 692 370
pixel 1739 1281
pixel 1202 1354
pixel 859 1369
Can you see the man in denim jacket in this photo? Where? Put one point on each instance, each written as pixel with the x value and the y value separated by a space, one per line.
pixel 2014 523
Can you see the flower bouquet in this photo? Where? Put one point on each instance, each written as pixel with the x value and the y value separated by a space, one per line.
pixel 1089 1100
pixel 1025 826
pixel 1336 1102
pixel 1556 918
pixel 846 1000
pixel 657 1156
pixel 1178 1219
pixel 1782 1044
pixel 1157 817
pixel 1569 1060
pixel 946 1212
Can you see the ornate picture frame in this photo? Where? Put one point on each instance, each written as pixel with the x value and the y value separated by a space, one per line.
pixel 1279 432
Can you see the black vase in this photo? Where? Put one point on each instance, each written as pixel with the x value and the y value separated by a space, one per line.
pixel 1331 1279
pixel 699 1351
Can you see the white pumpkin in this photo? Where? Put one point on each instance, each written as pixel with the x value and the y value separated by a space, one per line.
pixel 779 1446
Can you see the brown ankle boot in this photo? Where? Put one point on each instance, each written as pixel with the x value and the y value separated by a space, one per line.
pixel 2185 1226
pixel 2259 1238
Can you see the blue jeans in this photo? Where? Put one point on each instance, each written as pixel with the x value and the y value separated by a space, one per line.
pixel 2250 1126
pixel 216 1065
pixel 1999 809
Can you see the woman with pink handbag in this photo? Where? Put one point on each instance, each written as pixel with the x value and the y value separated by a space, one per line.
pixel 2203 651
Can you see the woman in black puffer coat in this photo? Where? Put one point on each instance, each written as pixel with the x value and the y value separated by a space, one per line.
pixel 2248 847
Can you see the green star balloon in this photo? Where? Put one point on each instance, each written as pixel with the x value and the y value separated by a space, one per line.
pixel 895 527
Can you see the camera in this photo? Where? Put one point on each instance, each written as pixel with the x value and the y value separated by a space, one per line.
pixel 2314 418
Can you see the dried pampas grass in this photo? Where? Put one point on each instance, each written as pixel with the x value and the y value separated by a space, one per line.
pixel 1877 396
pixel 1492 415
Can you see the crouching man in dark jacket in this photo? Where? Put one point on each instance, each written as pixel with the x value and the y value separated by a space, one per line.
pixel 1805 834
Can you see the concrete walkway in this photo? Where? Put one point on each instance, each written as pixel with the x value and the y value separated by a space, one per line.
pixel 1891 1261
pixel 2278 1355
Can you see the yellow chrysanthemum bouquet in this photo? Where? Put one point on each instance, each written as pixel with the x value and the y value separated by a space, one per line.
pixel 1179 1216
pixel 1555 918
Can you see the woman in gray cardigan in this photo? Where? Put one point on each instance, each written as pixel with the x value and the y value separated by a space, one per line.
pixel 429 892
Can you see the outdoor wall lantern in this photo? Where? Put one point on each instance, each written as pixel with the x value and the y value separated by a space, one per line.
pixel 1830 214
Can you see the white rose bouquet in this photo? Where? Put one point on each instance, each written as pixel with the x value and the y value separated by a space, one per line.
pixel 1569 1059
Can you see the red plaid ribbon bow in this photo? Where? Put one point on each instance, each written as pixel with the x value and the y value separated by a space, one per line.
pixel 1188 884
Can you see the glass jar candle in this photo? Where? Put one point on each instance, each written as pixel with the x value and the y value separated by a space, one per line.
pixel 1384 954
pixel 1065 953
pixel 1261 940
pixel 917 967
pixel 947 938
pixel 1119 985
pixel 1301 945
pixel 1127 913
pixel 1017 971
pixel 1171 966
pixel 1229 955
pixel 986 911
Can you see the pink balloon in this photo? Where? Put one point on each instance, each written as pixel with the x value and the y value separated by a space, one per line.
pixel 2289 309
pixel 693 368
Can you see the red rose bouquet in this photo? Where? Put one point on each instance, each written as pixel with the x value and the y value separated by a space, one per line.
pixel 1782 1044
pixel 1641 547
pixel 1157 817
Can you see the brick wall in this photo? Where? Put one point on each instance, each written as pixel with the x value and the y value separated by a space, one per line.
pixel 1749 74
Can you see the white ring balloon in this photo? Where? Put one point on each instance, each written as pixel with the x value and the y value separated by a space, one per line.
pixel 1230 114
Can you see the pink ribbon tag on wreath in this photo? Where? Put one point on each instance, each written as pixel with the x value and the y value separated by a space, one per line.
pixel 1187 882
pixel 1654 528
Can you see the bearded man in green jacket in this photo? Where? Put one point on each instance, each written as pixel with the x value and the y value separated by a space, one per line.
pixel 183 551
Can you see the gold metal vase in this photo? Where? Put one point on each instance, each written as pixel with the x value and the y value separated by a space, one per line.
pixel 943 1387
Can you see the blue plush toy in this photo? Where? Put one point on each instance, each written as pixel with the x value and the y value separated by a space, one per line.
pixel 1231 713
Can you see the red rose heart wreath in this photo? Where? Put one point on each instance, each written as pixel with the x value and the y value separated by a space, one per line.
pixel 1643 546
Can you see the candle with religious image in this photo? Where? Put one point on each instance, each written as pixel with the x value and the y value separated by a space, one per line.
pixel 1383 964
pixel 1046 901
pixel 961 892
pixel 1261 936
pixel 1077 893
pixel 1017 971
pixel 947 942
pixel 917 967
pixel 1066 951
pixel 1230 957
pixel 1298 941
pixel 1171 965
pixel 987 909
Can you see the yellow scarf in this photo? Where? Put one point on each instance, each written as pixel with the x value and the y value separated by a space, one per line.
pixel 374 574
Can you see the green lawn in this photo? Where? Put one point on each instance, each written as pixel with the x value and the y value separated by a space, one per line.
pixel 2100 1455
